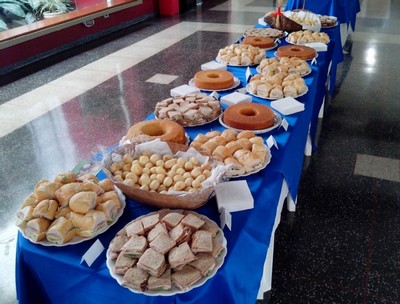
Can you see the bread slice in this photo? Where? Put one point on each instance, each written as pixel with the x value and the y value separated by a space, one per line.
pixel 204 262
pixel 150 221
pixel 162 243
pixel 161 283
pixel 172 219
pixel 135 246
pixel 180 234
pixel 134 228
pixel 192 221
pixel 153 262
pixel 123 263
pixel 185 277
pixel 136 278
pixel 116 245
pixel 202 241
pixel 181 255
pixel 153 233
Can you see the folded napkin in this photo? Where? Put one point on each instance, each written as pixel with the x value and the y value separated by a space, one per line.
pixel 234 196
pixel 213 65
pixel 287 105
pixel 183 90
pixel 318 46
pixel 235 98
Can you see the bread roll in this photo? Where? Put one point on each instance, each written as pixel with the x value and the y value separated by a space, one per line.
pixel 60 231
pixel 229 135
pixel 82 202
pixel 66 191
pixel 92 185
pixel 66 177
pixel 235 167
pixel 88 224
pixel 24 215
pixel 232 147
pixel 106 184
pixel 245 134
pixel 47 190
pixel 36 229
pixel 31 200
pixel 110 195
pixel 46 209
pixel 222 152
pixel 109 209
pixel 244 143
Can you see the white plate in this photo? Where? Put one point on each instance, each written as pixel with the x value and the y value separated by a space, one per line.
pixel 195 125
pixel 220 260
pixel 236 83
pixel 316 56
pixel 78 239
pixel 287 40
pixel 277 123
pixel 308 73
pixel 269 98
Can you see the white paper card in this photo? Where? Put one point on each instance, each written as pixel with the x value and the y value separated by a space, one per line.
pixel 183 90
pixel 261 21
pixel 234 196
pixel 314 61
pixel 285 124
pixel 93 253
pixel 287 105
pixel 242 90
pixel 226 219
pixel 213 65
pixel 235 98
pixel 271 142
pixel 248 75
pixel 318 46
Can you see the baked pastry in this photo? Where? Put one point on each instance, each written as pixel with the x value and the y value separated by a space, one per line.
pixel 264 32
pixel 213 80
pixel 240 55
pixel 165 130
pixel 299 51
pixel 289 65
pixel 261 42
pixel 307 36
pixel 249 116
pixel 189 110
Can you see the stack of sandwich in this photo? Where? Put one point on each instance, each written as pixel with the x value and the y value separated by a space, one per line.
pixel 57 211
pixel 165 251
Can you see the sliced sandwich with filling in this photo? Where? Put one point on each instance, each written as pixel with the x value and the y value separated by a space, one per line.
pixel 153 262
pixel 136 278
pixel 186 277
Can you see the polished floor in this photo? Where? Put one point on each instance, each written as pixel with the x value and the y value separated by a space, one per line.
pixel 342 243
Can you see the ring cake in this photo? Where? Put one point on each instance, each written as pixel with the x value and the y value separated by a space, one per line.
pixel 165 130
pixel 299 51
pixel 249 116
pixel 213 80
pixel 261 42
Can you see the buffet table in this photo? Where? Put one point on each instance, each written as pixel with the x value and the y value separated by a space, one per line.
pixel 57 275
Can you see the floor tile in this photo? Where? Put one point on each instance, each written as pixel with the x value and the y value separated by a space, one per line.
pixel 162 78
pixel 378 167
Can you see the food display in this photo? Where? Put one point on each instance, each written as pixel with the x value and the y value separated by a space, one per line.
pixel 277 86
pixel 249 116
pixel 243 151
pixel 264 32
pixel 240 55
pixel 163 175
pixel 259 41
pixel 299 51
pixel 307 19
pixel 278 20
pixel 166 252
pixel 213 80
pixel 166 130
pixel 289 65
pixel 307 36
pixel 69 210
pixel 189 110
pixel 327 21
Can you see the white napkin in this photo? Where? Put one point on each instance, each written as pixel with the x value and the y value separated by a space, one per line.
pixel 235 98
pixel 213 65
pixel 183 90
pixel 318 46
pixel 234 196
pixel 287 105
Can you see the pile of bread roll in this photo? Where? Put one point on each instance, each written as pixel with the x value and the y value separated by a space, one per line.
pixel 306 36
pixel 289 65
pixel 243 151
pixel 240 55
pixel 277 86
pixel 68 206
pixel 160 173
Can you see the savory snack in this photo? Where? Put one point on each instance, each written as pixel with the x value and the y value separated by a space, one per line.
pixel 166 130
pixel 163 265
pixel 213 80
pixel 249 116
pixel 189 110
pixel 240 55
pixel 71 211
pixel 259 41
pixel 299 51
pixel 277 86
pixel 278 20
pixel 264 32
pixel 289 65
pixel 327 21
pixel 243 151
pixel 307 36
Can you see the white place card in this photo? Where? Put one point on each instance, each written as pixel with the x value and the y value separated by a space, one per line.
pixel 225 218
pixel 261 21
pixel 93 253
pixel 248 75
pixel 285 124
pixel 271 142
pixel 314 61
pixel 215 95
pixel 242 90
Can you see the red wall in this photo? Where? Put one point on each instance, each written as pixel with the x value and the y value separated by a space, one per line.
pixel 25 50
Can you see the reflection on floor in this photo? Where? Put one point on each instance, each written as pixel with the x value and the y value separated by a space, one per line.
pixel 341 245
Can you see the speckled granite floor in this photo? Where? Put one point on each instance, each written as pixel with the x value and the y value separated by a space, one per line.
pixel 341 245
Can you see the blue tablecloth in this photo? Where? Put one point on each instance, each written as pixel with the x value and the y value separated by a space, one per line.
pixel 56 275
pixel 345 10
